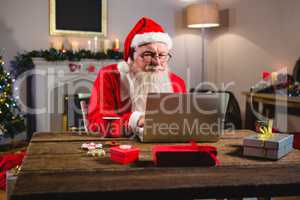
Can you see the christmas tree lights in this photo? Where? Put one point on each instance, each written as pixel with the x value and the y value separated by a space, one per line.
pixel 11 121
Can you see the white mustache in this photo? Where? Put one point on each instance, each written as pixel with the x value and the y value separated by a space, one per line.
pixel 153 67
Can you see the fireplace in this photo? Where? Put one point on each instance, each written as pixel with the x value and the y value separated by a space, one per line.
pixel 54 83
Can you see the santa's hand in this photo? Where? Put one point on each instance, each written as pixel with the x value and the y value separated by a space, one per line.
pixel 141 121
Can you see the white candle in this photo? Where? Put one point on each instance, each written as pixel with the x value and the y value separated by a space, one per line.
pixel 274 77
pixel 57 44
pixel 51 45
pixel 106 45
pixel 75 46
pixel 117 44
pixel 95 43
pixel 89 45
pixel 67 45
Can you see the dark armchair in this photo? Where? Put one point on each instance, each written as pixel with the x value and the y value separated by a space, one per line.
pixel 233 113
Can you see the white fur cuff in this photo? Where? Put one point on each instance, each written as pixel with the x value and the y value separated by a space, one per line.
pixel 133 120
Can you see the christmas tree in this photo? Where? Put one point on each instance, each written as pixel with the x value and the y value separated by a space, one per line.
pixel 11 121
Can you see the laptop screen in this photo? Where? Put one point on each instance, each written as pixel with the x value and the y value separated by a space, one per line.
pixel 173 117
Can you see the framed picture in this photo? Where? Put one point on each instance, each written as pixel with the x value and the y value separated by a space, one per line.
pixel 78 18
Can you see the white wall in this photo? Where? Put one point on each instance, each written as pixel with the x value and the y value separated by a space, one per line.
pixel 25 27
pixel 261 35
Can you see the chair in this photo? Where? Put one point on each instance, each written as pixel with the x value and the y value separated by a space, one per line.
pixel 83 100
pixel 296 71
pixel 233 113
pixel 76 112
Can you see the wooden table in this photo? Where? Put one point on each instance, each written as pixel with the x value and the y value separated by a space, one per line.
pixel 56 168
pixel 271 103
pixel 292 102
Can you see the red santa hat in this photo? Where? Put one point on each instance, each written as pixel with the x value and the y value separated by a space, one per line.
pixel 145 31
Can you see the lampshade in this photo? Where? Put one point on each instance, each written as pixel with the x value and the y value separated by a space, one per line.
pixel 203 15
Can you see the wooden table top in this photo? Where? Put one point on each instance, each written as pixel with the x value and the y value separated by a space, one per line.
pixel 57 168
pixel 273 99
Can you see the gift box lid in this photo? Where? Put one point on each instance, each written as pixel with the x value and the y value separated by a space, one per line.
pixel 124 154
pixel 277 141
pixel 124 150
pixel 182 148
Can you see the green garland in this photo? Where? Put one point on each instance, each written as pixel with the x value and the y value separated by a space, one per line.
pixel 23 62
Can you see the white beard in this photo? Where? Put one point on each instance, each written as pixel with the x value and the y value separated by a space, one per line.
pixel 148 82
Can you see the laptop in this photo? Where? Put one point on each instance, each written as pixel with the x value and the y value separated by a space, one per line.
pixel 173 117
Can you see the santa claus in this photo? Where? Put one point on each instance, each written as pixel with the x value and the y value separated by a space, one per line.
pixel 118 97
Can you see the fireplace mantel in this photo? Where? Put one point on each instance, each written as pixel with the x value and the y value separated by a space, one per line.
pixel 52 81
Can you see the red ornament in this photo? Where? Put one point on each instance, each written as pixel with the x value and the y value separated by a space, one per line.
pixel 266 75
pixel 73 67
pixel 91 69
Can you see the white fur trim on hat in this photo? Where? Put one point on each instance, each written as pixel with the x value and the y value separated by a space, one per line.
pixel 151 37
pixel 123 67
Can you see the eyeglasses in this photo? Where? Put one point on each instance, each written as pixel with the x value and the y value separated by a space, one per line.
pixel 149 56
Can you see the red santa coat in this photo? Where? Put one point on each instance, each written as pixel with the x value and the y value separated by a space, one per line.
pixel 110 106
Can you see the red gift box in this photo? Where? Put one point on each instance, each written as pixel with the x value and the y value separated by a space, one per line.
pixel 185 155
pixel 296 144
pixel 124 154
